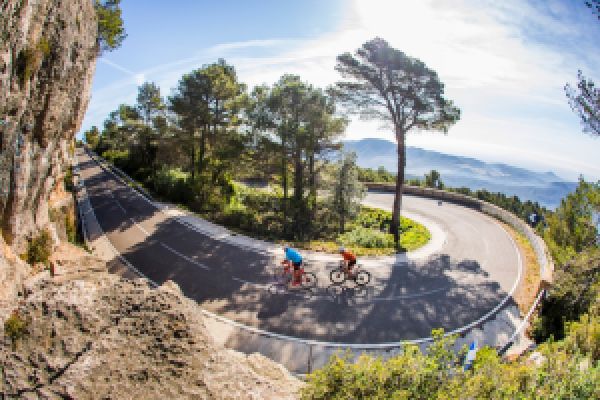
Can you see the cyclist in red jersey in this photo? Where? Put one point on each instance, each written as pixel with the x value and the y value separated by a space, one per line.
pixel 349 260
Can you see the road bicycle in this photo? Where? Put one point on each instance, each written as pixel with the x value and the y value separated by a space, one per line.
pixel 340 275
pixel 282 281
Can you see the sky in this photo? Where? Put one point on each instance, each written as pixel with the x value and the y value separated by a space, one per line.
pixel 503 63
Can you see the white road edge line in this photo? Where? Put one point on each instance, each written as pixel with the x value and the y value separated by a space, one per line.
pixel 409 296
pixel 172 250
pixel 250 283
pixel 120 206
pixel 141 228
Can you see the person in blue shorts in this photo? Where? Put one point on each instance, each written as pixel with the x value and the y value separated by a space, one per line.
pixel 294 259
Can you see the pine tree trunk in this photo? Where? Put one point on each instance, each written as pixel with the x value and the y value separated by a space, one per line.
pixel 395 225
pixel 202 151
pixel 284 182
pixel 312 183
pixel 299 207
pixel 193 157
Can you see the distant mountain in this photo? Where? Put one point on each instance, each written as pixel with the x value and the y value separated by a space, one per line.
pixel 544 187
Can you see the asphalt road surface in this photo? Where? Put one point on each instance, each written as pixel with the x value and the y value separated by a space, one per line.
pixel 476 267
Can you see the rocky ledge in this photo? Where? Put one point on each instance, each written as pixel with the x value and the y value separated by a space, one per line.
pixel 87 333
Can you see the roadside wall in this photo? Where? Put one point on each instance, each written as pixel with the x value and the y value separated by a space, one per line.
pixel 541 251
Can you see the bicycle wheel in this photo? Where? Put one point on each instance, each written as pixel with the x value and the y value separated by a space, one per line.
pixel 337 276
pixel 362 278
pixel 309 280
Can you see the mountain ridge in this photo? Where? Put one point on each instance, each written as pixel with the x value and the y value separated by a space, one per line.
pixel 547 188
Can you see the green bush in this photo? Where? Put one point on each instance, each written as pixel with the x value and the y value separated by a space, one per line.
pixel 240 217
pixel 68 180
pixel 118 158
pixel 372 226
pixel 365 237
pixel 575 289
pixel 15 328
pixel 583 336
pixel 171 183
pixel 438 374
pixel 40 248
pixel 256 199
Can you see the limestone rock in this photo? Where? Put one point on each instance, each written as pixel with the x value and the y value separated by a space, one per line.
pixel 91 334
pixel 47 59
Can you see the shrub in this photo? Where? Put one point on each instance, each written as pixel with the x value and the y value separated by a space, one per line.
pixel 15 328
pixel 117 157
pixel 240 217
pixel 71 227
pixel 30 59
pixel 40 248
pixel 583 336
pixel 575 289
pixel 365 237
pixel 438 375
pixel 172 184
pixel 68 180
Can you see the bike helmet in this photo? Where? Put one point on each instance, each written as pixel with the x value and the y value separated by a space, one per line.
pixel 342 249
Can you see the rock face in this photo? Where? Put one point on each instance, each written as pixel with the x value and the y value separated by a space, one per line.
pixel 47 60
pixel 85 333
pixel 90 334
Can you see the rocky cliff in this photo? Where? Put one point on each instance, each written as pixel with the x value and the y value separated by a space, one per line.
pixel 85 333
pixel 47 59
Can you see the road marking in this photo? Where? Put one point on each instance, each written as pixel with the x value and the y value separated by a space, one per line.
pixel 141 228
pixel 120 206
pixel 408 296
pixel 172 250
pixel 248 282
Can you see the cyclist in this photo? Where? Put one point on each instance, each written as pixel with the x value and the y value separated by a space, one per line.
pixel 349 260
pixel 294 259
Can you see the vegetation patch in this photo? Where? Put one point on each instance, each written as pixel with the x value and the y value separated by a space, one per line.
pixel 569 371
pixel 39 248
pixel 530 284
pixel 30 59
pixel 15 328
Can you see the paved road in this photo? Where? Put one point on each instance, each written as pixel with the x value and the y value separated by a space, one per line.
pixel 475 269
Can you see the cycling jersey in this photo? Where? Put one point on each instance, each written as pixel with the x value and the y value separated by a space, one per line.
pixel 293 256
pixel 348 256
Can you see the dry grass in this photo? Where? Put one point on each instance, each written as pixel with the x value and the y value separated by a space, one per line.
pixel 530 282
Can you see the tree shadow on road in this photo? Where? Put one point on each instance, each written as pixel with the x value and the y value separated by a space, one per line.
pixel 406 303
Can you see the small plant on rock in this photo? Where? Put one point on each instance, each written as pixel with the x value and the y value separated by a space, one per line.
pixel 15 328
pixel 40 248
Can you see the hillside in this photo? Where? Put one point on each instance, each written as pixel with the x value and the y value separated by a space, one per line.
pixel 544 187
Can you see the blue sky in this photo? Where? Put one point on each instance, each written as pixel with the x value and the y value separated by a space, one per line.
pixel 504 63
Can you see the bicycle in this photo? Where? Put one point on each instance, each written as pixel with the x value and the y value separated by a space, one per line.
pixel 340 275
pixel 282 280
